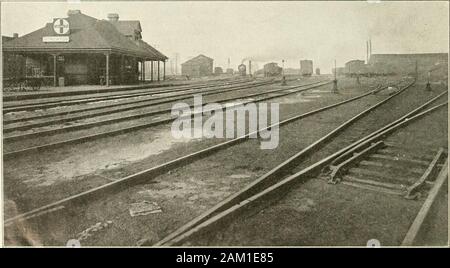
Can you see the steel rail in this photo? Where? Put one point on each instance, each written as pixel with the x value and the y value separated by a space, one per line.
pixel 52 104
pixel 167 100
pixel 143 115
pixel 213 90
pixel 11 98
pixel 8 155
pixel 112 96
pixel 284 185
pixel 150 173
pixel 415 229
pixel 267 179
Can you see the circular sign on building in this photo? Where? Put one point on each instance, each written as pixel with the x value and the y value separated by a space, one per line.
pixel 61 26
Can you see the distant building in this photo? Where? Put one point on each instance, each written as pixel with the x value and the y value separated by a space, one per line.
pixel 355 67
pixel 272 69
pixel 218 71
pixel 198 66
pixel 338 71
pixel 230 71
pixel 291 71
pixel 306 67
pixel 317 71
pixel 406 63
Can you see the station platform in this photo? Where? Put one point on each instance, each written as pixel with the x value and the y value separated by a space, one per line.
pixel 50 91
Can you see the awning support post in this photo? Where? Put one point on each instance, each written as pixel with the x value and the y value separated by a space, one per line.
pixel 164 70
pixel 151 70
pixel 158 72
pixel 143 70
pixel 122 62
pixel 55 81
pixel 139 70
pixel 107 70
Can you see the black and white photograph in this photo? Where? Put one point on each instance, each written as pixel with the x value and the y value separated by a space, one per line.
pixel 218 124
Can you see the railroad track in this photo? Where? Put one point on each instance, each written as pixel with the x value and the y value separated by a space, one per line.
pixel 153 102
pixel 215 89
pixel 347 166
pixel 110 97
pixel 8 139
pixel 50 95
pixel 163 168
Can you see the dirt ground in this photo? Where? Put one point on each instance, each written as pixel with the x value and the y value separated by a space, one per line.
pixel 71 169
pixel 181 194
pixel 315 213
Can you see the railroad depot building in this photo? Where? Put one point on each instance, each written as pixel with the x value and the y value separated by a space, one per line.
pixel 80 50
pixel 198 66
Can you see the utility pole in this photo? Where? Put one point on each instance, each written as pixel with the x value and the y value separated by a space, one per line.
pixel 439 65
pixel 335 88
pixel 176 63
pixel 283 83
pixel 417 71
pixel 428 82
pixel 367 52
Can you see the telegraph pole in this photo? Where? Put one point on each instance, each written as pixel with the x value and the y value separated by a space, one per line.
pixel 367 52
pixel 428 82
pixel 417 71
pixel 335 88
pixel 439 65
pixel 176 63
pixel 283 83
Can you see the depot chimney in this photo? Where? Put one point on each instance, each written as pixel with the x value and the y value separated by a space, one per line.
pixel 73 12
pixel 113 17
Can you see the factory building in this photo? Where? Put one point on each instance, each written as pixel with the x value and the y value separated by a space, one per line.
pixel 437 63
pixel 81 49
pixel 355 67
pixel 198 66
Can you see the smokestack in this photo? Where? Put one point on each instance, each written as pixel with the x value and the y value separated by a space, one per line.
pixel 15 35
pixel 250 67
pixel 370 48
pixel 113 17
pixel 73 12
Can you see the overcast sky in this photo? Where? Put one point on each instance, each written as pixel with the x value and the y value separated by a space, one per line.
pixel 263 31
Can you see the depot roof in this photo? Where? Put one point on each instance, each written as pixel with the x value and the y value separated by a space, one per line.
pixel 87 34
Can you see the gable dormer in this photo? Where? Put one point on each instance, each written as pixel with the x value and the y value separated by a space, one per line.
pixel 130 28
